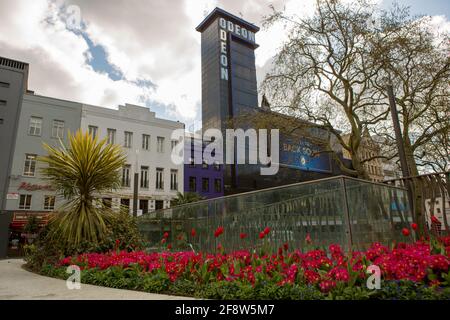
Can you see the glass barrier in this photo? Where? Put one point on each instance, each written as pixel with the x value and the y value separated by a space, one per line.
pixel 341 210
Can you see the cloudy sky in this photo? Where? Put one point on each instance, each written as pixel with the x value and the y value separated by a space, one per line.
pixel 144 52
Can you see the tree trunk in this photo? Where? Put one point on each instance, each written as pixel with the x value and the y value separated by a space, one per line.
pixel 409 153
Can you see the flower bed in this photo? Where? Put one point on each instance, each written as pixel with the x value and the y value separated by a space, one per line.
pixel 408 271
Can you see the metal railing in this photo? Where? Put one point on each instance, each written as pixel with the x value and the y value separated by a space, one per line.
pixel 429 200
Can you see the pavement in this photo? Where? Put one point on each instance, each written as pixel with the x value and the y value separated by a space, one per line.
pixel 17 283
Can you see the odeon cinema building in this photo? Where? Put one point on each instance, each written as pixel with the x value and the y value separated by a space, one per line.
pixel 230 101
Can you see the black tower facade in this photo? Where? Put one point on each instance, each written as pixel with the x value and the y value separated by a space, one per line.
pixel 228 74
pixel 229 90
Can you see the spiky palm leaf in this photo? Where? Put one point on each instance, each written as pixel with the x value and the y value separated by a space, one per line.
pixel 79 172
pixel 187 197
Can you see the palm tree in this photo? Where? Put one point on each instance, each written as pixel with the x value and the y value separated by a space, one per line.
pixel 79 172
pixel 187 197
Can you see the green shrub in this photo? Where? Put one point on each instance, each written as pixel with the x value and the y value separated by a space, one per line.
pixel 134 278
pixel 122 234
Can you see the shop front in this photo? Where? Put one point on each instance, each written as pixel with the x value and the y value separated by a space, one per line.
pixel 23 229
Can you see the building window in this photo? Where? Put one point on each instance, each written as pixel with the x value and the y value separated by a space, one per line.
pixel 159 178
pixel 58 129
pixel 93 131
pixel 29 168
pixel 146 142
pixel 25 201
pixel 4 84
pixel 35 126
pixel 217 185
pixel 111 133
pixel 49 202
pixel 125 204
pixel 126 176
pixel 173 179
pixel 128 139
pixel 2 103
pixel 173 144
pixel 143 205
pixel 192 184
pixel 1 121
pixel 205 184
pixel 160 144
pixel 144 177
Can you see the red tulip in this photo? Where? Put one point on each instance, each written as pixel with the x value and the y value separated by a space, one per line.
pixel 218 231
pixel 286 246
pixel 243 235
pixel 405 232
pixel 193 232
pixel 266 230
pixel 414 226
pixel 262 235
pixel 169 246
pixel 163 241
pixel 308 238
pixel 280 251
pixel 435 220
pixel 165 235
pixel 219 247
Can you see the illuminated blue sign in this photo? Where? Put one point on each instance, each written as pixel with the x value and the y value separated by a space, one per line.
pixel 304 155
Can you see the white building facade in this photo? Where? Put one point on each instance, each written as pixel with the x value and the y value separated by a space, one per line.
pixel 148 145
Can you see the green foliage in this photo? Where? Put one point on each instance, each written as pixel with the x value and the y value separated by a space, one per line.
pixel 79 171
pixel 408 290
pixel 32 225
pixel 342 292
pixel 122 234
pixel 187 197
pixel 134 278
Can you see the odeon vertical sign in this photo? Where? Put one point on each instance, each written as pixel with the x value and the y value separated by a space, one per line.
pixel 226 27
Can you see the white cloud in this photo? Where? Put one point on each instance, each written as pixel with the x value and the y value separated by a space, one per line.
pixel 145 40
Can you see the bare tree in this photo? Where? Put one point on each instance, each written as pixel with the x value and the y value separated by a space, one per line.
pixel 334 68
pixel 417 62
pixel 325 72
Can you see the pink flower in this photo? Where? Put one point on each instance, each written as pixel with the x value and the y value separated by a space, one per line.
pixel 327 285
